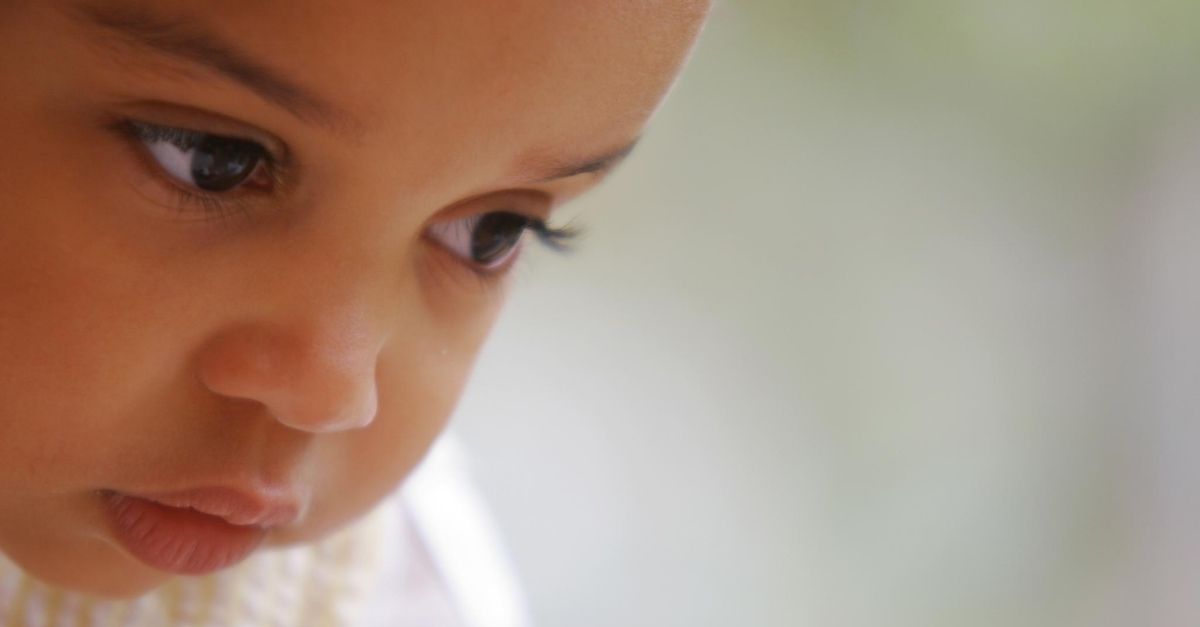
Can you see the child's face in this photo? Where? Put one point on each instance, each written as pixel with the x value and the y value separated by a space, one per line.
pixel 281 301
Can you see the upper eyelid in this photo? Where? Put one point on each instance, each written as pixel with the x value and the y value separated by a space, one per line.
pixel 530 203
pixel 172 115
pixel 147 131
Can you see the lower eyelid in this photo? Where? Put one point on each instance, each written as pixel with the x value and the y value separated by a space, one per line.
pixel 443 270
pixel 458 237
pixel 510 259
pixel 474 268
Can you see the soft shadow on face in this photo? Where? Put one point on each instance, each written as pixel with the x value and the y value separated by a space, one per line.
pixel 297 341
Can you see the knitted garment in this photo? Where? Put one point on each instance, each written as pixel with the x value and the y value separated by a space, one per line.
pixel 321 584
pixel 402 565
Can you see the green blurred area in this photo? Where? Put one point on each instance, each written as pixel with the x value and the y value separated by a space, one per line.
pixel 870 351
pixel 1079 75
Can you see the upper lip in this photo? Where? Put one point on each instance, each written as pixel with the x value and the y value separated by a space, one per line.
pixel 257 506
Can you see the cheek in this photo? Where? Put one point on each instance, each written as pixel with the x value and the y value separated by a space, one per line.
pixel 79 348
pixel 81 329
pixel 72 334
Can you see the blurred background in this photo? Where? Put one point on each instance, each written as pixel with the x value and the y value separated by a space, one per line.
pixel 891 320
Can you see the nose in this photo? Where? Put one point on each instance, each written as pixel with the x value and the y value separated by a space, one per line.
pixel 317 377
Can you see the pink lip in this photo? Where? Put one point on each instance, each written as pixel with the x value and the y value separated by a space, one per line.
pixel 235 506
pixel 196 531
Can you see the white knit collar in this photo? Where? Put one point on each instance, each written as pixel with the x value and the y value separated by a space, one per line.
pixel 324 583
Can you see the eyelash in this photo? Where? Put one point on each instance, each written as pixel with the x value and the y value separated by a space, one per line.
pixel 559 239
pixel 192 202
pixel 233 204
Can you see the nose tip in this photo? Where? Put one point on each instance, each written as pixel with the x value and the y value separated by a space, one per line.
pixel 309 385
pixel 325 405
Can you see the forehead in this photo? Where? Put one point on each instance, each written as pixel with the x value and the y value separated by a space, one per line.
pixel 466 75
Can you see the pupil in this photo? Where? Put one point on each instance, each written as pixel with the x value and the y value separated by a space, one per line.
pixel 495 235
pixel 220 164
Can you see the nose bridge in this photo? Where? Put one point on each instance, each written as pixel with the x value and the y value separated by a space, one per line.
pixel 310 352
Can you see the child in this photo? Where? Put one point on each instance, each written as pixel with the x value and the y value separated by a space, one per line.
pixel 248 252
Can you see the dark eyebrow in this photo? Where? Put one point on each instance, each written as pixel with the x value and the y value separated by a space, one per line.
pixel 596 164
pixel 190 42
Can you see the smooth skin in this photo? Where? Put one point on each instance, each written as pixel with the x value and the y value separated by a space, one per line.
pixel 304 332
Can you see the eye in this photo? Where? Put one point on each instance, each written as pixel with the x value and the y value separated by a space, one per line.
pixel 207 162
pixel 486 241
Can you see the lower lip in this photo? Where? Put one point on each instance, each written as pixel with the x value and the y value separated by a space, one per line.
pixel 175 540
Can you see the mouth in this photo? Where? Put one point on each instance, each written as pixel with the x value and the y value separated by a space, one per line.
pixel 198 531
